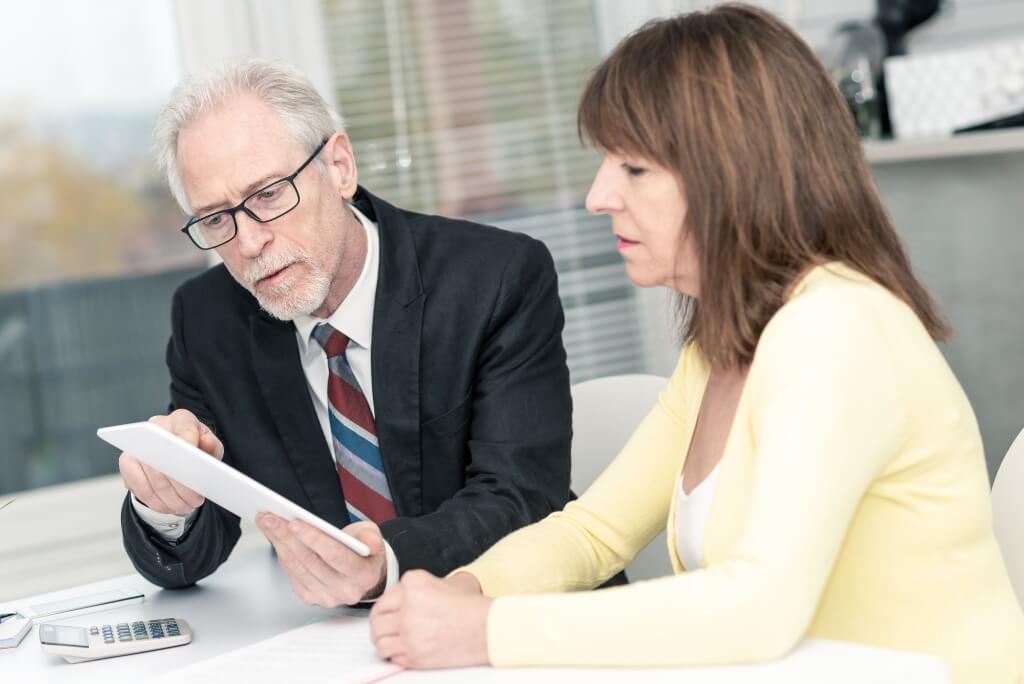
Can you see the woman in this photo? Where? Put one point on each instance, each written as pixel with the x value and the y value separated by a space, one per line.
pixel 816 462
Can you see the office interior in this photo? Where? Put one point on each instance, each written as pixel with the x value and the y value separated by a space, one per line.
pixel 456 107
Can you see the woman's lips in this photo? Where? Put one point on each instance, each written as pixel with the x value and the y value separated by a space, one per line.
pixel 625 244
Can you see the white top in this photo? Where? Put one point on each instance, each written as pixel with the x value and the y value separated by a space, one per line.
pixel 691 519
pixel 354 318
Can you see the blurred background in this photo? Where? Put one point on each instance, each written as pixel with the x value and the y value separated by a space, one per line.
pixel 459 107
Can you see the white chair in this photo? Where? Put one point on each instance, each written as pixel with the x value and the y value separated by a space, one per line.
pixel 1008 512
pixel 605 413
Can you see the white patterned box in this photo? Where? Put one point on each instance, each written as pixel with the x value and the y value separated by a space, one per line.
pixel 932 94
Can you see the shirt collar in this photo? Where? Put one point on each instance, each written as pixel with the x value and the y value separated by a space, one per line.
pixel 354 316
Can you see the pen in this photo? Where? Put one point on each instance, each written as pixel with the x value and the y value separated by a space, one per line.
pixel 7 504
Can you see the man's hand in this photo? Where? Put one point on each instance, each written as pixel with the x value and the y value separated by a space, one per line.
pixel 153 488
pixel 424 622
pixel 322 570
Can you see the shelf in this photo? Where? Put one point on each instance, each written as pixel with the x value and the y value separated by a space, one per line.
pixel 964 145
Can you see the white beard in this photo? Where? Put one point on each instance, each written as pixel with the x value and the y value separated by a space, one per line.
pixel 293 297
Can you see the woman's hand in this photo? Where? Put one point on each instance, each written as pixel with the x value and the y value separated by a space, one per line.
pixel 424 622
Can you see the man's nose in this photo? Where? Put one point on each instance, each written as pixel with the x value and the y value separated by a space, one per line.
pixel 253 236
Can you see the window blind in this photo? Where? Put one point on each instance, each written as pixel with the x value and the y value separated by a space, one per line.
pixel 468 108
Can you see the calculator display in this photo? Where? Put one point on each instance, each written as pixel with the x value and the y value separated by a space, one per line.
pixel 62 635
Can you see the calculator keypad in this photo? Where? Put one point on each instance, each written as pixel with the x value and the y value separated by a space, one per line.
pixel 119 639
pixel 137 631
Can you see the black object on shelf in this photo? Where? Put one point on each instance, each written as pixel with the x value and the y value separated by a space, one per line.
pixel 896 18
pixel 1007 121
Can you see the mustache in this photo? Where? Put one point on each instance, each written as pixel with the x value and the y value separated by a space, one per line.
pixel 263 266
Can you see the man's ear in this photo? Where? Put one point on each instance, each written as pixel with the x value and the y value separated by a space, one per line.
pixel 341 164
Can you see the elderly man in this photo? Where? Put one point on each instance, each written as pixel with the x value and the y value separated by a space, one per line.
pixel 401 376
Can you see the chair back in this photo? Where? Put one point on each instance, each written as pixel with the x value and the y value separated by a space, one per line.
pixel 605 413
pixel 1008 512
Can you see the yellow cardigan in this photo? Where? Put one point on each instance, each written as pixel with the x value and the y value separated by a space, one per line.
pixel 852 504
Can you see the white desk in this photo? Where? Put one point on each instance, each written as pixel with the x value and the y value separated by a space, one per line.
pixel 248 600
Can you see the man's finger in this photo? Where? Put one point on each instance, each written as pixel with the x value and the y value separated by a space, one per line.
pixel 368 533
pixel 163 495
pixel 155 490
pixel 137 483
pixel 339 557
pixel 276 530
pixel 189 496
pixel 166 492
pixel 266 525
pixel 161 421
pixel 210 443
pixel 186 426
pixel 339 587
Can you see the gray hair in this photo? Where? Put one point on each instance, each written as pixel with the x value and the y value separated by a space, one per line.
pixel 281 86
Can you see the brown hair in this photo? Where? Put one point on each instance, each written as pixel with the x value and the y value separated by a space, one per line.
pixel 737 106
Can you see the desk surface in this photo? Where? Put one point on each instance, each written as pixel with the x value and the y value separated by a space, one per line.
pixel 249 599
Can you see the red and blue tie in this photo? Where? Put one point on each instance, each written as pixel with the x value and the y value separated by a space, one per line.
pixel 354 435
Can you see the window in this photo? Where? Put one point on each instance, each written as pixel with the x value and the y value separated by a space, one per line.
pixel 88 251
pixel 460 107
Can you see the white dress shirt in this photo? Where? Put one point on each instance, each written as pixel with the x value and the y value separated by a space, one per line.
pixel 354 318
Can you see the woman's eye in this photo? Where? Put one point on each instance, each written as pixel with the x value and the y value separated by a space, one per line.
pixel 634 170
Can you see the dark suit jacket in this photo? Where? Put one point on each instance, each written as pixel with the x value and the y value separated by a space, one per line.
pixel 470 386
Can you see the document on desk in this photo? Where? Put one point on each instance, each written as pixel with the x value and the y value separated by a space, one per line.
pixel 337 650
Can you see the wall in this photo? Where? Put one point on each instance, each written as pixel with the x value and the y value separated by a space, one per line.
pixel 960 219
pixel 958 216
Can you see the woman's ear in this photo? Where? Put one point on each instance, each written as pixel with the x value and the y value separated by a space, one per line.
pixel 341 164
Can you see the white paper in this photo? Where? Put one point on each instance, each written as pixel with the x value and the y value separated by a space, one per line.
pixel 337 649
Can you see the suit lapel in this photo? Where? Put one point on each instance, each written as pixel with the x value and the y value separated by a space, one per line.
pixel 275 358
pixel 395 362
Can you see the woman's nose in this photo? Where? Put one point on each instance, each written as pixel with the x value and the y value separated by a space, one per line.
pixel 603 196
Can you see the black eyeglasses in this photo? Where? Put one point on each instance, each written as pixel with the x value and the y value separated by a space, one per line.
pixel 267 204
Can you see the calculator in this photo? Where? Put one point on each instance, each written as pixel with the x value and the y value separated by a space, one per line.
pixel 77 644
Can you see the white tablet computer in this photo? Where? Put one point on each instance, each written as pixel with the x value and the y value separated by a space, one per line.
pixel 220 483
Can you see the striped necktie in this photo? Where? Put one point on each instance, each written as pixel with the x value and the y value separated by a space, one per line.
pixel 354 435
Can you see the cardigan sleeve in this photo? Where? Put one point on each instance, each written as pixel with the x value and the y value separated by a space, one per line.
pixel 827 413
pixel 597 535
